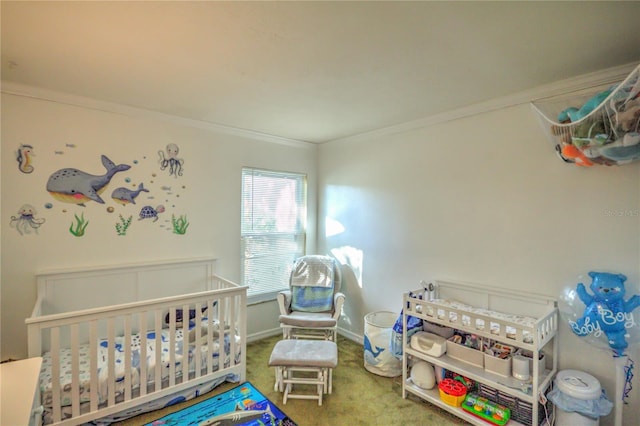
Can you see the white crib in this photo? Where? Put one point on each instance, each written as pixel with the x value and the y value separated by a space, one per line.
pixel 112 336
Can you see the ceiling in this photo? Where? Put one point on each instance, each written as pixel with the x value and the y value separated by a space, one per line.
pixel 310 71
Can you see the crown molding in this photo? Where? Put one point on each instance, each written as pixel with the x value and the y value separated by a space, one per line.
pixel 599 78
pixel 17 89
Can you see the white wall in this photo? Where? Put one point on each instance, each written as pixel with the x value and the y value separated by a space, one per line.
pixel 209 195
pixel 482 199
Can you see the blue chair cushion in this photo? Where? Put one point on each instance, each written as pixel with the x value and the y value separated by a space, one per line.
pixel 311 299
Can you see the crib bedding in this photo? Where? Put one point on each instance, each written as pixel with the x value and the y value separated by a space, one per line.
pixel 527 324
pixel 118 353
pixel 156 404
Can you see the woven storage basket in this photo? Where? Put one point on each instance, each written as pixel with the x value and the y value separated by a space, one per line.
pixel 521 411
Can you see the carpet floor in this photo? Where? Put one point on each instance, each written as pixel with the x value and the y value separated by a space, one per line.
pixel 359 397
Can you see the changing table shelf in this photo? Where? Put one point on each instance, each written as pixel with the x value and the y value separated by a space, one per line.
pixel 522 320
pixel 433 396
pixel 505 384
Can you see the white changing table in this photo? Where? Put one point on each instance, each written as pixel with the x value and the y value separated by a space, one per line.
pixel 535 337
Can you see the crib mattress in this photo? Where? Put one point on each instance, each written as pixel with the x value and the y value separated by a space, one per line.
pixel 118 353
pixel 525 323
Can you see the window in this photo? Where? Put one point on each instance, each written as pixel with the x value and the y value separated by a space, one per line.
pixel 273 229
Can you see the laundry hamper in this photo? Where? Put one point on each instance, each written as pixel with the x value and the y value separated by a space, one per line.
pixel 378 357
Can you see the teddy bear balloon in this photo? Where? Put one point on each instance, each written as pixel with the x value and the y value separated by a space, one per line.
pixel 606 313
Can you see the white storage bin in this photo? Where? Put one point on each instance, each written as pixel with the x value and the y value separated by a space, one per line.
pixel 500 366
pixel 465 354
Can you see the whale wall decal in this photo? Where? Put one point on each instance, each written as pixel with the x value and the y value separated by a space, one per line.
pixel 77 187
pixel 125 196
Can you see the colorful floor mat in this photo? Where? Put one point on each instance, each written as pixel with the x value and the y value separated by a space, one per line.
pixel 243 405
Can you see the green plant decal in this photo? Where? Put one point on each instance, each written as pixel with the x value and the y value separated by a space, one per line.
pixel 180 224
pixel 121 228
pixel 81 225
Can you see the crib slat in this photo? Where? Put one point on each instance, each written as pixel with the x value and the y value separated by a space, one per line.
pixel 143 353
pixel 111 362
pixel 158 368
pixel 75 370
pixel 55 373
pixel 232 334
pixel 93 364
pixel 209 358
pixel 197 351
pixel 172 346
pixel 127 358
pixel 185 343
pixel 222 317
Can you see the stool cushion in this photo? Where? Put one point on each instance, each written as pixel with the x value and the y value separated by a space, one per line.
pixel 304 353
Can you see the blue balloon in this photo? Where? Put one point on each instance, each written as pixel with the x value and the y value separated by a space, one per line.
pixel 606 316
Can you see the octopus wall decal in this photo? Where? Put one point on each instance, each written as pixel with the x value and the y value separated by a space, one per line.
pixel 26 220
pixel 171 161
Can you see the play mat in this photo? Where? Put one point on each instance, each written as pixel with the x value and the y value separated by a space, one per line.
pixel 242 405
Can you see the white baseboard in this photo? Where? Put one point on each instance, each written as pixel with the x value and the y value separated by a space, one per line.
pixel 263 334
pixel 351 336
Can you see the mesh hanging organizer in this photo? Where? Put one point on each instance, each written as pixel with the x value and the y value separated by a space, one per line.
pixel 596 126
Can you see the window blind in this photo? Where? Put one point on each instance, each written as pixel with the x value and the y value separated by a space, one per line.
pixel 273 229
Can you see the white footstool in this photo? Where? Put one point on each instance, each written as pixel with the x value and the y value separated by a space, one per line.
pixel 304 356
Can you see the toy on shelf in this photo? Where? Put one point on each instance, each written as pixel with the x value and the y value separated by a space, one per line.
pixel 452 392
pixel 595 129
pixel 486 410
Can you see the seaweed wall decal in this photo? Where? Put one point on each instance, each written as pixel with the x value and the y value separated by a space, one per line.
pixel 80 226
pixel 179 224
pixel 123 225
